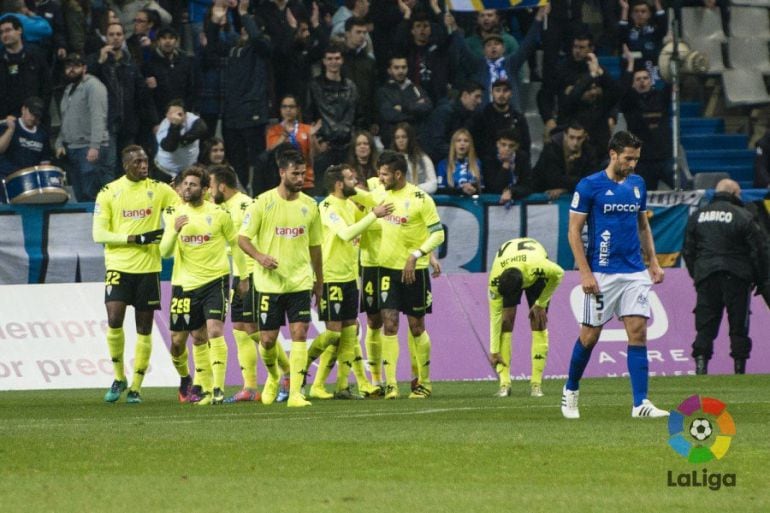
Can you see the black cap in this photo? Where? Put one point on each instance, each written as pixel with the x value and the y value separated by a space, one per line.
pixel 502 82
pixel 74 59
pixel 35 106
pixel 167 31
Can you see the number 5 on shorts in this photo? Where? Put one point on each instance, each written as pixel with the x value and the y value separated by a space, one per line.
pixel 264 304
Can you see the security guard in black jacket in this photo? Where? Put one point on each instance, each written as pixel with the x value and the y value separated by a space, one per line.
pixel 725 256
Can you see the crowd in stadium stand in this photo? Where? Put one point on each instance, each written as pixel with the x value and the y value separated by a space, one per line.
pixel 338 81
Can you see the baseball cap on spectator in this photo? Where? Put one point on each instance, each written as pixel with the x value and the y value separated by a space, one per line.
pixel 493 37
pixel 74 59
pixel 35 106
pixel 501 82
pixel 167 32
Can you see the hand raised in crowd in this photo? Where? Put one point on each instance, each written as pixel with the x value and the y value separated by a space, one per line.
pixel 145 41
pixel 542 12
pixel 290 19
pixel 11 122
pixel 315 16
pixel 243 7
pixel 449 22
pixel 315 127
pixel 593 65
pixel 175 116
pixel 383 209
pixel 405 9
pixel 104 53
pixel 435 7
pixel 623 6
pixel 219 12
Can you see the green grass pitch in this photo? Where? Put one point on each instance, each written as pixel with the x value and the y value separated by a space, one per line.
pixel 460 451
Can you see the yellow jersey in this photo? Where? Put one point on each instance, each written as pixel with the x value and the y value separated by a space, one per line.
pixel 285 230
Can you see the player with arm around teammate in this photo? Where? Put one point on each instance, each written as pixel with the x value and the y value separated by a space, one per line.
pixel 198 238
pixel 127 216
pixel 521 265
pixel 613 202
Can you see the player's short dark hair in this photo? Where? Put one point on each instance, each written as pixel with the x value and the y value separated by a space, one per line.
pixel 510 134
pixel 333 175
pixel 289 158
pixel 394 160
pixel 354 21
pixel 621 140
pixel 176 102
pixel 470 87
pixel 14 21
pixel 200 172
pixel 128 150
pixel 509 283
pixel 224 174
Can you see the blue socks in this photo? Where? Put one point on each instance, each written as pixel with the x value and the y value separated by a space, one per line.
pixel 578 363
pixel 638 370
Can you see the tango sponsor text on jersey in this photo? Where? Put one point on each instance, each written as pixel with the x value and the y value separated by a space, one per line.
pixel 613 209
pixel 133 208
pixel 285 230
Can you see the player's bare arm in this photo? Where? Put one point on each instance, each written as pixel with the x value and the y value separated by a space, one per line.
pixel 574 235
pixel 648 248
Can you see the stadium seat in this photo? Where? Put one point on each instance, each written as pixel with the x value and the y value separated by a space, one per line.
pixel 708 180
pixel 749 53
pixel 744 87
pixel 749 22
pixel 700 23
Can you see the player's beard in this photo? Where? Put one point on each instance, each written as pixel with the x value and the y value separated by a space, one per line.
pixel 218 197
pixel 292 188
pixel 193 197
pixel 348 191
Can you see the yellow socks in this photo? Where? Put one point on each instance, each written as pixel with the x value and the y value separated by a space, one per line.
pixel 359 370
pixel 390 351
pixel 202 361
pixel 218 355
pixel 269 357
pixel 297 361
pixel 539 355
pixel 116 341
pixel 346 356
pixel 142 354
pixel 247 358
pixel 319 344
pixel 281 358
pixel 504 369
pixel 180 363
pixel 325 365
pixel 374 353
pixel 412 355
pixel 422 348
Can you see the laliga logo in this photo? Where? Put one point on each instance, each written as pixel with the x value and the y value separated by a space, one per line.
pixel 695 422
pixel 656 329
pixel 289 232
pixel 139 213
pixel 195 240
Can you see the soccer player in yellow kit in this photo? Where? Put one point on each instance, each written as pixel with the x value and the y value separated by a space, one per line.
pixel 409 234
pixel 521 265
pixel 342 224
pixel 198 239
pixel 286 227
pixel 127 216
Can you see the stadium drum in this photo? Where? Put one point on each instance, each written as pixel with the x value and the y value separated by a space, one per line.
pixel 36 185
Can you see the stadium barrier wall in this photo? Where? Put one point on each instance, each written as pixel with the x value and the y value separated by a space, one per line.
pixel 52 244
pixel 52 335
